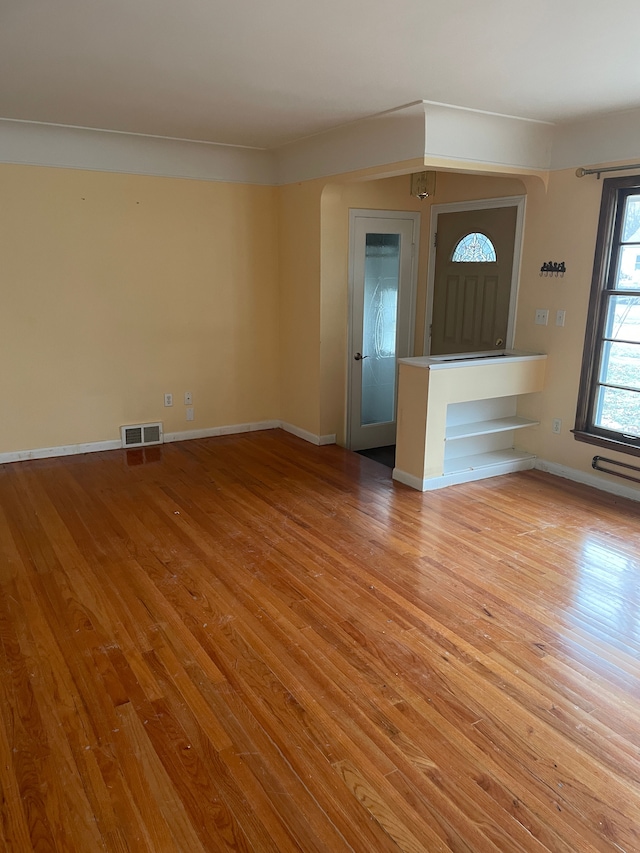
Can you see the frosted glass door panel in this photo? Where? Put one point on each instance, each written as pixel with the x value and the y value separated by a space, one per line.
pixel 380 320
pixel 382 287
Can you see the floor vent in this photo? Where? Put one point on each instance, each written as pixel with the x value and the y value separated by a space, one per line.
pixel 141 435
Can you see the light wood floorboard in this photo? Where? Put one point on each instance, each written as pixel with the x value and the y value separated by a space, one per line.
pixel 252 644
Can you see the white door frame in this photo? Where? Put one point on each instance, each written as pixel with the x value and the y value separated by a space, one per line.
pixel 518 202
pixel 354 213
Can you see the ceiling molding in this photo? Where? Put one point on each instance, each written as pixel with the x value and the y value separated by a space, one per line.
pixel 389 137
pixel 422 132
pixel 475 136
pixel 60 146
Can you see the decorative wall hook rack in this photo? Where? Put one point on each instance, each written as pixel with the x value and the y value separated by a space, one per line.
pixel 553 268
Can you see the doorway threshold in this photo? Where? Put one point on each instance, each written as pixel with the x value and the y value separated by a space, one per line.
pixel 384 455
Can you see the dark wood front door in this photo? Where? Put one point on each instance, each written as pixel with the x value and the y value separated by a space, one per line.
pixel 472 288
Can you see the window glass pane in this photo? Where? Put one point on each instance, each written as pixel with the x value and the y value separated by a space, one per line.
pixel 618 410
pixel 628 273
pixel 623 318
pixel 381 279
pixel 621 364
pixel 474 248
pixel 631 227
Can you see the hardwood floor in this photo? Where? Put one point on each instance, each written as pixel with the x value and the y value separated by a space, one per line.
pixel 251 643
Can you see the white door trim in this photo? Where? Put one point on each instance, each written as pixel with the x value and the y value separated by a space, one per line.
pixel 518 202
pixel 354 213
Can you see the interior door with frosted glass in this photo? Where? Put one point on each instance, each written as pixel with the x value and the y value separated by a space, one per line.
pixel 382 312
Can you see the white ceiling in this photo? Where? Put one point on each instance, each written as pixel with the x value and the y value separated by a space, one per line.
pixel 264 72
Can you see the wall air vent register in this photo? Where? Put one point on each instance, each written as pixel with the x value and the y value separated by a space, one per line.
pixel 141 435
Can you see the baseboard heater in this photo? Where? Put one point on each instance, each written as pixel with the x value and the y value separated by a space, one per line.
pixel 595 464
pixel 141 435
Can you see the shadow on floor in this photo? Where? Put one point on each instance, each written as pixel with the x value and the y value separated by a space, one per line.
pixel 384 455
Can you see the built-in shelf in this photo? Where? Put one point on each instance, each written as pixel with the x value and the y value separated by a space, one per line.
pixel 487 427
pixel 477 461
pixel 458 417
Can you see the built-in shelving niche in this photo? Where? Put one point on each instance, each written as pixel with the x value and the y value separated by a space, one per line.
pixel 480 433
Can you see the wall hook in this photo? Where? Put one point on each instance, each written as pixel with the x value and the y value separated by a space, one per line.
pixel 555 268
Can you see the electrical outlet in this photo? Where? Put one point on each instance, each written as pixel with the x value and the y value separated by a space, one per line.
pixel 560 315
pixel 190 413
pixel 556 426
pixel 542 316
pixel 168 399
pixel 188 398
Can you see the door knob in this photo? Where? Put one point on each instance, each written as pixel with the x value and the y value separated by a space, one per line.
pixel 499 342
pixel 359 357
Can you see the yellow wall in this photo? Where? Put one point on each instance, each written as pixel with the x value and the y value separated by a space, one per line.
pixel 299 262
pixel 561 225
pixel 118 288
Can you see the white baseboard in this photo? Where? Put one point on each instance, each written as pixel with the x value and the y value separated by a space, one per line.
pixel 213 432
pixel 468 475
pixel 327 439
pixel 318 440
pixel 587 479
pixel 62 450
pixel 583 477
pixel 183 435
pixel 577 476
pixel 409 480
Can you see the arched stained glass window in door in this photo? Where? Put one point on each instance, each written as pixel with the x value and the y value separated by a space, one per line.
pixel 475 248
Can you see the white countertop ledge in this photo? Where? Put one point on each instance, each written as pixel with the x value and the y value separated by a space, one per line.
pixel 462 359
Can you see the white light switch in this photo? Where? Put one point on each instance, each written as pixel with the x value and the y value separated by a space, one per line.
pixel 560 315
pixel 542 316
pixel 190 413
